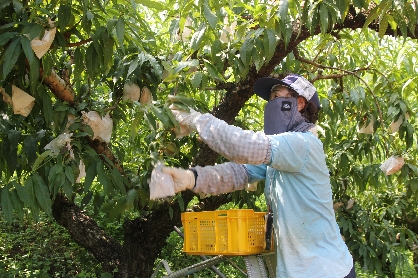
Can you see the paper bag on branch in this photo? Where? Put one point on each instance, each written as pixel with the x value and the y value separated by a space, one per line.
pixel 82 168
pixel 22 103
pixel 131 92
pixel 394 126
pixel 70 120
pixel 102 127
pixel 367 129
pixel 63 140
pixel 146 96
pixel 41 46
pixel 392 165
pixel 6 97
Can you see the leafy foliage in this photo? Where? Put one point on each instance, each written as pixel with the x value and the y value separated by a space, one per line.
pixel 42 249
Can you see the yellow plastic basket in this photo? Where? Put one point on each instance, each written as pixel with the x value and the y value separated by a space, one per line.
pixel 223 232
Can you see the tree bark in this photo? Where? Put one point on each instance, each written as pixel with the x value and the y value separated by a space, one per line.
pixel 85 232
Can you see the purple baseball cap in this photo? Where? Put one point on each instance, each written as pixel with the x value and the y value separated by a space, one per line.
pixel 263 86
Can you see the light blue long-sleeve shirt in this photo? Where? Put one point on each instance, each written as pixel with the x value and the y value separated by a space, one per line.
pixel 298 189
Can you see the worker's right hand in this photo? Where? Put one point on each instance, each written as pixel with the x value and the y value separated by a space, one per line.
pixel 183 179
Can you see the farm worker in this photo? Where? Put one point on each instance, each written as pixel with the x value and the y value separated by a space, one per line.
pixel 290 158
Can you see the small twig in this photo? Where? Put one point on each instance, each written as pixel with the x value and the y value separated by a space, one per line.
pixel 329 76
pixel 113 107
pixel 79 43
pixel 408 219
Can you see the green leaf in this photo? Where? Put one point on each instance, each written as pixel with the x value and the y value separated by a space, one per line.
pixel 10 56
pixel 91 61
pixel 383 25
pixel 27 49
pixel 14 137
pixel 181 202
pixel 40 159
pixel 342 6
pixel 64 16
pixel 323 12
pixel 90 175
pixel 30 145
pixel 101 175
pixel 196 79
pixel 46 105
pixel 186 100
pixel 210 17
pixel 409 138
pixel 34 74
pixel 162 116
pixel 245 50
pixel 152 4
pixel 413 183
pixel 68 188
pixel 150 120
pixel 53 175
pixel 170 211
pixel 7 204
pixel 132 66
pixel 283 10
pixel 120 31
pixel 78 62
pixel 108 44
pixel 197 38
pixel 37 31
pixel 117 181
pixel 5 37
pixel 269 44
pixel 42 194
pixel 60 180
pixel 69 174
pixel 354 96
pixel 86 199
pixel 17 204
pixel 372 16
pixel 213 71
pixel 25 192
pixel 13 140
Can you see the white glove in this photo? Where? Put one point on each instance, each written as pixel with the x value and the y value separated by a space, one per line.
pixel 161 185
pixel 183 179
pixel 185 120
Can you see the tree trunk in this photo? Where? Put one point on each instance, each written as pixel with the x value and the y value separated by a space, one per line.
pixel 144 238
pixel 85 232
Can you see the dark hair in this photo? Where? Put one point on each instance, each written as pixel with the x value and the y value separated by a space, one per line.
pixel 310 111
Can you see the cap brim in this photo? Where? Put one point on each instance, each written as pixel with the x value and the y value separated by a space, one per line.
pixel 263 86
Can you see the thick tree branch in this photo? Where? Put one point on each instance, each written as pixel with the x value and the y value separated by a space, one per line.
pixel 85 232
pixel 102 148
pixel 58 86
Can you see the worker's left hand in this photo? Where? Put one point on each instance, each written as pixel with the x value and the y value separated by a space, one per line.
pixel 183 179
pixel 185 120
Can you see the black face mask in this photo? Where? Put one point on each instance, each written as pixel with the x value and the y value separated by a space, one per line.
pixel 282 115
